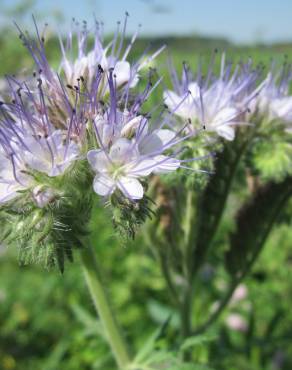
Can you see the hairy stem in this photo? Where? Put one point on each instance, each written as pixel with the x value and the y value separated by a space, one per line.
pixel 285 196
pixel 187 299
pixel 112 332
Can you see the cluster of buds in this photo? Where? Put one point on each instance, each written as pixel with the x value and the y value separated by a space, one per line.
pixel 68 134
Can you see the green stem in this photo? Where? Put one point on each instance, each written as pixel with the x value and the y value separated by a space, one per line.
pixel 113 335
pixel 168 278
pixel 201 329
pixel 190 231
pixel 187 299
pixel 285 195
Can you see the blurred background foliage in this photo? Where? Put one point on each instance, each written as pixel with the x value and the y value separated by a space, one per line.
pixel 47 320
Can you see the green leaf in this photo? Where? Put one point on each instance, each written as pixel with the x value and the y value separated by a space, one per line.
pixel 160 312
pixel 91 323
pixel 215 195
pixel 197 340
pixel 149 346
pixel 254 222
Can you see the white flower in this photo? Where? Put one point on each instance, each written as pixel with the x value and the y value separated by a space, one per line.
pixel 282 108
pixel 12 180
pixel 124 126
pixel 50 155
pixel 211 108
pixel 126 162
pixel 120 168
pixel 87 66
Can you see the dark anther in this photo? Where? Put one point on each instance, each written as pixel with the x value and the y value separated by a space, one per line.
pixel 115 76
pixel 69 86
pixel 74 111
pixel 19 92
pixel 1 103
pixel 39 82
pixel 43 39
pixel 165 106
pixel 189 121
pixel 76 87
pixel 34 74
pixel 82 78
pixel 127 14
pixel 101 102
pixel 40 71
pixel 100 69
pixel 204 127
pixel 13 101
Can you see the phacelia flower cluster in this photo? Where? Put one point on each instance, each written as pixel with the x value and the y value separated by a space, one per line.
pixel 216 103
pixel 73 134
pixel 86 111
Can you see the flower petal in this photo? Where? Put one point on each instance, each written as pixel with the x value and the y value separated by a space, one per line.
pixel 130 187
pixel 103 185
pixel 171 99
pixel 165 164
pixel 165 135
pixel 98 160
pixel 122 71
pixel 194 89
pixel 226 131
pixel 122 151
pixel 224 115
pixel 142 168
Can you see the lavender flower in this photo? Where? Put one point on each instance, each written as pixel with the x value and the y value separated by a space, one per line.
pixel 273 101
pixel 86 65
pixel 214 103
pixel 29 142
pixel 50 155
pixel 12 180
pixel 128 149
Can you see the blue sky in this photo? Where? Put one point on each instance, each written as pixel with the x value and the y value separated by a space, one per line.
pixel 241 21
